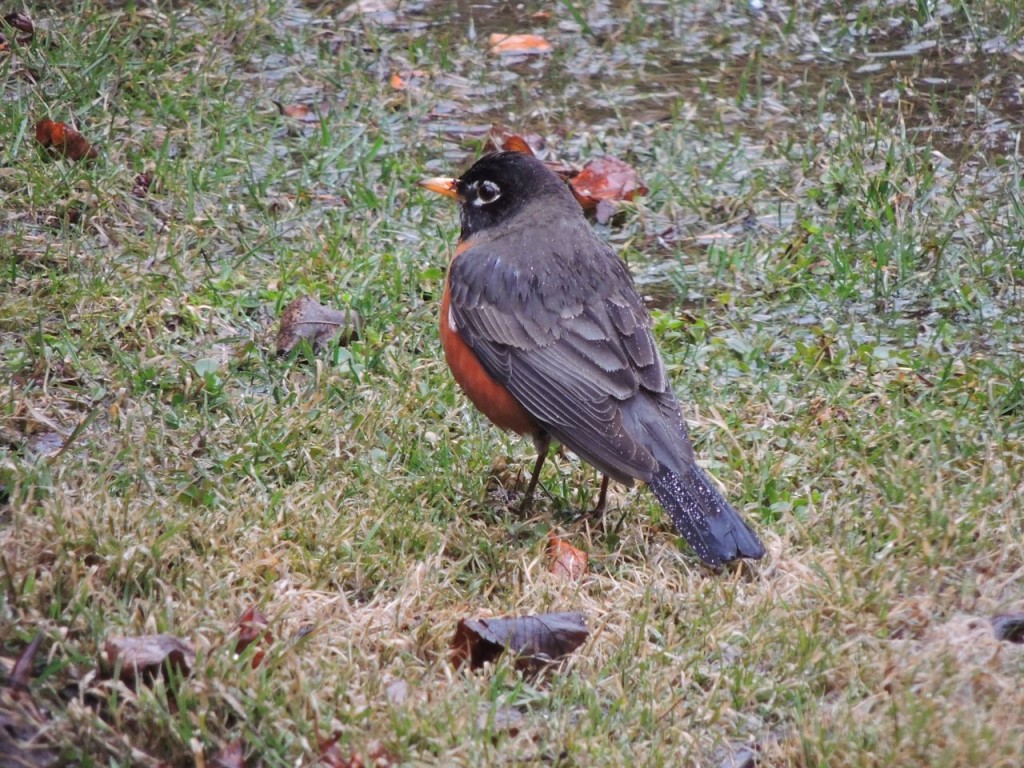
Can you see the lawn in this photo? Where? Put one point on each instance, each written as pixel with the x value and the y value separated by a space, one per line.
pixel 832 248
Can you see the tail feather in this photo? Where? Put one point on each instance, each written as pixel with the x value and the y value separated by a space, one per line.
pixel 703 517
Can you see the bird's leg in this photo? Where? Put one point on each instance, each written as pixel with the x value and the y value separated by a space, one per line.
pixel 602 498
pixel 542 442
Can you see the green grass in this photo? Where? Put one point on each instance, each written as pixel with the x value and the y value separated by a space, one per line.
pixel 837 282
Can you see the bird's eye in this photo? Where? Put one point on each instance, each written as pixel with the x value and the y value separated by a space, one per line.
pixel 488 192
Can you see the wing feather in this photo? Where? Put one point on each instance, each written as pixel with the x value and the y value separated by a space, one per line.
pixel 570 339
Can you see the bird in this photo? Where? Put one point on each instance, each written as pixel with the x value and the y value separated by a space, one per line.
pixel 545 333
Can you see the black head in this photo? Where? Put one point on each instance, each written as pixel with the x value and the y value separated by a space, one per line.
pixel 498 186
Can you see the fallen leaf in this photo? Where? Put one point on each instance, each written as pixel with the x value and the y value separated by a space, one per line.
pixel 517 144
pixel 252 625
pixel 606 178
pixel 521 44
pixel 62 138
pixel 400 80
pixel 535 640
pixel 330 753
pixel 142 658
pixel 566 561
pixel 21 674
pixel 1009 627
pixel 22 23
pixel 306 318
pixel 141 184
pixel 45 443
pixel 301 112
pixel 25 728
pixel 500 719
pixel 541 15
pixel 396 692
pixel 231 755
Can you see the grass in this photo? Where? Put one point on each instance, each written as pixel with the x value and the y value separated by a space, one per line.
pixel 836 280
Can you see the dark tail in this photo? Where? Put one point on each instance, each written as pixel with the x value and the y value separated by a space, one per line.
pixel 706 520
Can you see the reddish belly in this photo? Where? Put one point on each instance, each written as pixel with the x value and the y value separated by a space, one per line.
pixel 490 397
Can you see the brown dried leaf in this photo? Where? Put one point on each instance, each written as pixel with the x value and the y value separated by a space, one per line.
pixel 606 178
pixel 252 624
pixel 231 755
pixel 521 44
pixel 301 112
pixel 330 753
pixel 306 318
pixel 535 640
pixel 143 658
pixel 566 561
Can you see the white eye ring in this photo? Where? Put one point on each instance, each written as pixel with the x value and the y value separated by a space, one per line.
pixel 487 192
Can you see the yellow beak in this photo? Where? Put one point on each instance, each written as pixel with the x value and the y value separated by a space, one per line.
pixel 446 187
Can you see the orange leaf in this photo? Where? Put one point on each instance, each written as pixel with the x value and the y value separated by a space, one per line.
pixel 517 144
pixel 401 80
pixel 43 130
pixel 566 561
pixel 301 112
pixel 523 44
pixel 606 178
pixel 64 139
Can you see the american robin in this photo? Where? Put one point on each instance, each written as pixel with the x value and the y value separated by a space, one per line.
pixel 544 331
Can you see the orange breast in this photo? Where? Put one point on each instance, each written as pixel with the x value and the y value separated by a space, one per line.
pixel 493 400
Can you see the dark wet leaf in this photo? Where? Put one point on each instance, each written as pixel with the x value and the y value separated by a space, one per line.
pixel 23 729
pixel 742 757
pixel 566 561
pixel 23 723
pixel 21 674
pixel 535 640
pixel 137 659
pixel 1009 627
pixel 141 184
pixel 502 45
pixel 231 755
pixel 63 139
pixel 22 23
pixel 306 318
